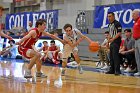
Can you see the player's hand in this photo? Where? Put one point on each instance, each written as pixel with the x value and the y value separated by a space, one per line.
pixel 65 42
pixel 81 39
pixel 123 52
pixel 17 43
pixel 110 40
pixel 10 38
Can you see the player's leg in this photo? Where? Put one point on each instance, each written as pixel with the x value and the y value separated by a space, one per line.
pixel 65 56
pixel 6 53
pixel 45 56
pixel 38 67
pixel 60 57
pixel 50 55
pixel 55 57
pixel 77 59
pixel 34 56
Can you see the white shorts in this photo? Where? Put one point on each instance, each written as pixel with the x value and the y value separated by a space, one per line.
pixel 67 51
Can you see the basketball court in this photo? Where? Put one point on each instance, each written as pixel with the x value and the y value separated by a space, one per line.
pixel 91 81
pixel 31 22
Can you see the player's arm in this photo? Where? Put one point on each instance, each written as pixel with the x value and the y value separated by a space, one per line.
pixel 70 43
pixel 30 34
pixel 58 49
pixel 85 37
pixel 5 48
pixel 122 49
pixel 46 51
pixel 53 36
pixel 4 35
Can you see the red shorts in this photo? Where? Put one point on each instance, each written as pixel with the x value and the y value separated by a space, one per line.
pixel 22 51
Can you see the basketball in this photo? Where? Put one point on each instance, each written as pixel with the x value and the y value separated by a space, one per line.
pixel 94 46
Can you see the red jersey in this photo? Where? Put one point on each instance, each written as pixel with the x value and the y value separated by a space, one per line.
pixel 122 42
pixel 31 41
pixel 52 48
pixel 136 29
pixel 45 48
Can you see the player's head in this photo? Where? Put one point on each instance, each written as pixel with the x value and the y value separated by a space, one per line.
pixel 45 43
pixel 52 43
pixel 128 32
pixel 111 17
pixel 106 34
pixel 41 24
pixel 68 29
pixel 136 14
pixel 30 24
pixel 11 42
pixel 1 10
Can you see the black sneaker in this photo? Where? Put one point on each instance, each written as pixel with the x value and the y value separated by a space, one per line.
pixel 63 72
pixel 110 72
pixel 117 73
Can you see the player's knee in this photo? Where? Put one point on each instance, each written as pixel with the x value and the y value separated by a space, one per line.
pixel 38 55
pixel 64 60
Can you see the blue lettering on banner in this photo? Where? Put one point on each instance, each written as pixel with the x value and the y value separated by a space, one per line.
pixel 123 13
pixel 22 19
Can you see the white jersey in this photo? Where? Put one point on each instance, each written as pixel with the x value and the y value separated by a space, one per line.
pixel 67 48
pixel 73 37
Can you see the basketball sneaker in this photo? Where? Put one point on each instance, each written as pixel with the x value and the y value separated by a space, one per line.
pixel 106 67
pixel 28 74
pixel 80 69
pixel 137 74
pixel 40 74
pixel 58 83
pixel 101 65
pixel 63 72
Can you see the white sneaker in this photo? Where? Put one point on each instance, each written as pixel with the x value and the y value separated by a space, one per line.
pixel 137 74
pixel 72 64
pixel 48 82
pixel 105 67
pixel 10 76
pixel 80 69
pixel 128 69
pixel 28 74
pixel 122 68
pixel 58 83
pixel 100 66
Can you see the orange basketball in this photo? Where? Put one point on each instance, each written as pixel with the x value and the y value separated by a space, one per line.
pixel 94 46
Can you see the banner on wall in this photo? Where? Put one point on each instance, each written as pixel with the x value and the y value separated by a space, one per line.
pixel 123 13
pixel 22 19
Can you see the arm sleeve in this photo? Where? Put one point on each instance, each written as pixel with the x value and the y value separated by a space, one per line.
pixel 119 27
pixel 104 42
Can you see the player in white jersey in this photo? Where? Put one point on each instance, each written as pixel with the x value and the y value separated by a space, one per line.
pixel 73 37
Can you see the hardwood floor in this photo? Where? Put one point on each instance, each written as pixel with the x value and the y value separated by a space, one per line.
pixel 12 80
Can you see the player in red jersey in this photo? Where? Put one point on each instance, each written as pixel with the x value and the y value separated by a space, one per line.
pixel 27 47
pixel 53 52
pixel 45 50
